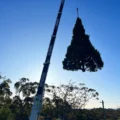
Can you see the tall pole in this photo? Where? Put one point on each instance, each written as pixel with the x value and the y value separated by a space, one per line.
pixel 37 104
pixel 103 110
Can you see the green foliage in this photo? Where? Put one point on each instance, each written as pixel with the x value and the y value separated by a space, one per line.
pixel 22 107
pixel 19 106
pixel 81 55
pixel 6 114
pixel 62 100
pixel 5 87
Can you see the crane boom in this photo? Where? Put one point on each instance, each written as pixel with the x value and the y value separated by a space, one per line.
pixel 37 104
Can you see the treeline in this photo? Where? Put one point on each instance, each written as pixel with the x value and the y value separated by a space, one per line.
pixel 63 101
pixel 98 114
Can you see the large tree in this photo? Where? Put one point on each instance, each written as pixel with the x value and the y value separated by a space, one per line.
pixel 67 98
pixel 23 100
pixel 5 99
pixel 5 92
pixel 81 54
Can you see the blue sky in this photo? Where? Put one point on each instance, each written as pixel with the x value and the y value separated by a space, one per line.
pixel 25 30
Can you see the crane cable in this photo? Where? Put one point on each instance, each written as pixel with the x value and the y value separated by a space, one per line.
pixel 77 8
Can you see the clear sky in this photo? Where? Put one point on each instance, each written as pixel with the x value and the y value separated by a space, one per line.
pixel 25 30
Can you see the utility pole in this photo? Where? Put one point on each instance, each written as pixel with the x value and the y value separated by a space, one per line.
pixel 103 110
pixel 37 104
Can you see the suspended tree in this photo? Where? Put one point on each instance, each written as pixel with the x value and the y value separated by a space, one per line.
pixel 81 54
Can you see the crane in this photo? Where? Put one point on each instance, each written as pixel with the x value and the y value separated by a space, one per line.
pixel 37 104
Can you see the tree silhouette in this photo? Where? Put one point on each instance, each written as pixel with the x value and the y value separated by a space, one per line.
pixel 24 98
pixel 25 87
pixel 81 54
pixel 67 98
